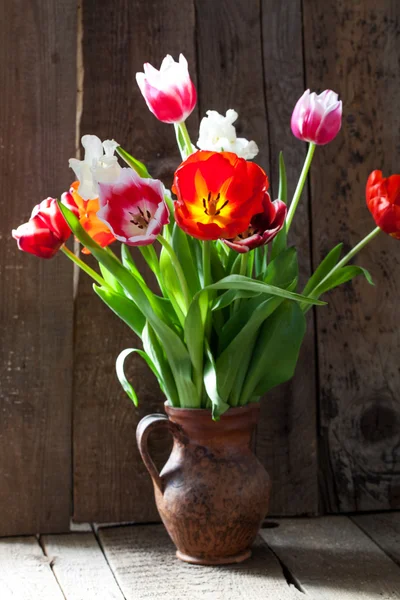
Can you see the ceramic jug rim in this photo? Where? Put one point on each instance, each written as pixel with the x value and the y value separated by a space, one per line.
pixel 238 418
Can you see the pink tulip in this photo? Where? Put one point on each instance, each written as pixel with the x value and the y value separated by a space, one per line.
pixel 46 231
pixel 133 208
pixel 317 118
pixel 169 92
pixel 263 227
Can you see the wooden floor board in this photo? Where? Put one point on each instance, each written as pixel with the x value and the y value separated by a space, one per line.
pixel 144 563
pixel 25 572
pixel 80 567
pixel 384 530
pixel 334 560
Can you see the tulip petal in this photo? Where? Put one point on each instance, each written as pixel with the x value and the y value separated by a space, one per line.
pixel 218 194
pixel 133 208
pixel 317 118
pixel 169 93
pixel 383 201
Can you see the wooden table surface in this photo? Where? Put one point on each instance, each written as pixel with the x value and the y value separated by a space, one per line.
pixel 322 558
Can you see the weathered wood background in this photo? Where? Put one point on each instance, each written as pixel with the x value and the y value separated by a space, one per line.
pixel 331 438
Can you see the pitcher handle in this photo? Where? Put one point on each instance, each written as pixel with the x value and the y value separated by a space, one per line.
pixel 147 425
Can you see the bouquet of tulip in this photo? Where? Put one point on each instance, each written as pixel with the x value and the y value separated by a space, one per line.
pixel 228 321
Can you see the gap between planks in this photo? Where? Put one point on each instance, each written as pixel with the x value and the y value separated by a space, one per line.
pixel 334 559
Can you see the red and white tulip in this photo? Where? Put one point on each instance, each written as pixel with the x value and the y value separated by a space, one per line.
pixel 46 231
pixel 169 93
pixel 317 118
pixel 133 208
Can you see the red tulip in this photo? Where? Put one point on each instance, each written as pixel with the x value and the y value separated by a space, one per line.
pixel 218 194
pixel 383 201
pixel 133 208
pixel 46 231
pixel 317 118
pixel 169 92
pixel 263 227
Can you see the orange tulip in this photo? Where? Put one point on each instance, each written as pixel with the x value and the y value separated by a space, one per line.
pixel 218 194
pixel 89 220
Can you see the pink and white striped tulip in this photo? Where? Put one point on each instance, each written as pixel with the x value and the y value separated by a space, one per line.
pixel 317 118
pixel 133 208
pixel 169 92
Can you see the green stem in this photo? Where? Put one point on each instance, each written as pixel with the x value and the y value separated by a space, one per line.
pixel 300 185
pixel 178 268
pixel 368 238
pixel 82 265
pixel 244 262
pixel 182 134
pixel 206 253
pixel 186 137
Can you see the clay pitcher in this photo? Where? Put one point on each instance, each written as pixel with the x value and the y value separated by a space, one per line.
pixel 213 492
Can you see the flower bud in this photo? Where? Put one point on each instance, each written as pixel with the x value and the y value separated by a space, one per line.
pixel 169 92
pixel 317 118
pixel 46 231
pixel 383 201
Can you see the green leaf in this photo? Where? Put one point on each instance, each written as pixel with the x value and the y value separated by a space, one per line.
pixel 282 192
pixel 187 260
pixel 123 307
pixel 194 336
pixel 153 349
pixel 240 282
pixel 279 243
pixel 235 267
pixel 329 262
pixel 172 285
pixel 230 296
pixel 276 351
pixel 283 269
pixel 135 164
pixel 342 276
pixel 110 280
pixel 211 386
pixel 229 362
pixel 260 263
pixel 119 367
pixel 217 267
pixel 129 263
pixel 178 356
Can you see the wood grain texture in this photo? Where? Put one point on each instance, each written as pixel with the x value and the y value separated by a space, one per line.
pixel 286 440
pixel 144 563
pixel 384 530
pixel 25 572
pixel 80 567
pixel 332 559
pixel 37 123
pixel 354 49
pixel 110 480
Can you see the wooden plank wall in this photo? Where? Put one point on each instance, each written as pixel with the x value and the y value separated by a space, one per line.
pixel 110 480
pixel 37 132
pixel 354 48
pixel 256 57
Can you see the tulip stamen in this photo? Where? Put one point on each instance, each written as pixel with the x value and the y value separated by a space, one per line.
pixel 210 205
pixel 140 220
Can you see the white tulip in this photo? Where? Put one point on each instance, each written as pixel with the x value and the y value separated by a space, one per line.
pixel 217 133
pixel 99 166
